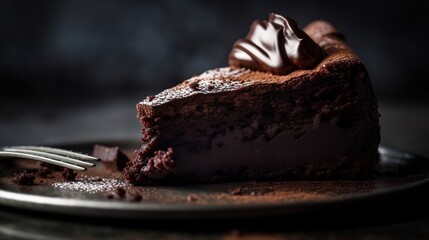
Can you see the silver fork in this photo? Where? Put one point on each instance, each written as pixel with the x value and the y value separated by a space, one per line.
pixel 54 156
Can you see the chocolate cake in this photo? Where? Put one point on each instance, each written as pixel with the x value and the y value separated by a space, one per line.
pixel 292 104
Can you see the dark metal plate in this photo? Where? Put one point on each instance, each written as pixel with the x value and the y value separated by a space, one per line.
pixel 400 174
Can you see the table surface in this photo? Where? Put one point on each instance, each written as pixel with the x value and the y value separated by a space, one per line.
pixel 403 125
pixel 19 225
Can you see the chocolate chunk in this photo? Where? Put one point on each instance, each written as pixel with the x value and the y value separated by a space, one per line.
pixel 111 156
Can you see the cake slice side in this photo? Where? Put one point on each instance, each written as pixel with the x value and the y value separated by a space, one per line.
pixel 238 124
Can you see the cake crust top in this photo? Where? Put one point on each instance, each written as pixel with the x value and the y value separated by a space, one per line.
pixel 230 79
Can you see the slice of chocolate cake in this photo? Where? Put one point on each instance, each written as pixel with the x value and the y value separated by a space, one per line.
pixel 293 104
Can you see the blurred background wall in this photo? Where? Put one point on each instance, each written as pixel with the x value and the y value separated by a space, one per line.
pixel 96 47
pixel 59 56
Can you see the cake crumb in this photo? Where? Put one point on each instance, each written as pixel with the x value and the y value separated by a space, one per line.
pixel 120 192
pixel 44 172
pixel 192 198
pixel 133 196
pixel 236 191
pixel 160 165
pixel 68 174
pixel 24 178
pixel 50 167
pixel 261 192
pixel 194 85
pixel 110 195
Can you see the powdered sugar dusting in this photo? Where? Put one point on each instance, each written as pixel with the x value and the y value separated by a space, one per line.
pixel 212 81
pixel 91 184
pixel 221 73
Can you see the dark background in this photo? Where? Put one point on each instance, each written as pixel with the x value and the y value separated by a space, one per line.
pixel 74 70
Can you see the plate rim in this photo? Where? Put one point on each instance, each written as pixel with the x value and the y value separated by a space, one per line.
pixel 129 210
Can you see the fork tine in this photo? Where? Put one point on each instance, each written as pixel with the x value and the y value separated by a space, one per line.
pixel 42 159
pixel 53 156
pixel 81 156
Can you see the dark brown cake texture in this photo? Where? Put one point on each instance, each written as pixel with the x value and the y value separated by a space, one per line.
pixel 253 122
pixel 24 178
